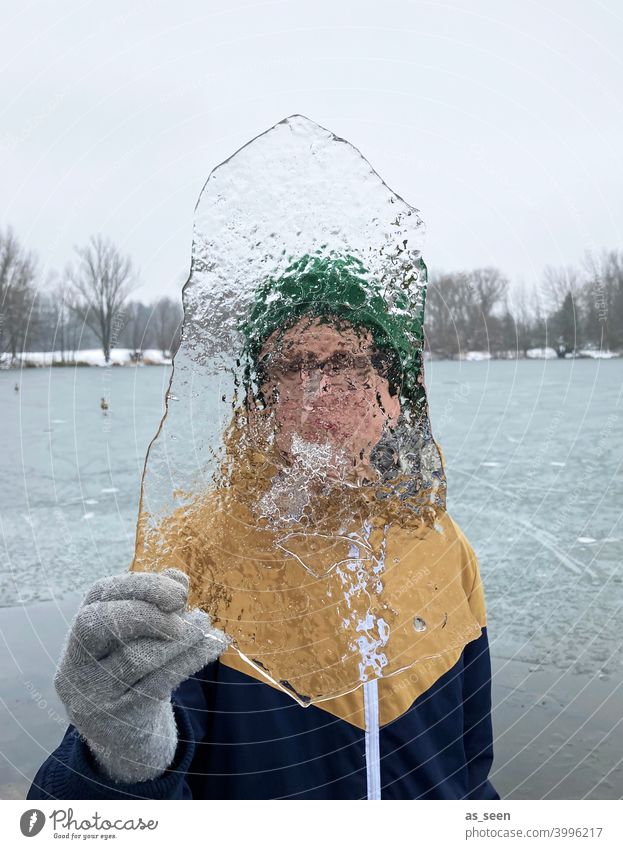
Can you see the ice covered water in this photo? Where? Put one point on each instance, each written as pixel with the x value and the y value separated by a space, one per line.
pixel 553 597
pixel 299 453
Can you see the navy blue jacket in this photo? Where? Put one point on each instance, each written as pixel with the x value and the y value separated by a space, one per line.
pixel 240 738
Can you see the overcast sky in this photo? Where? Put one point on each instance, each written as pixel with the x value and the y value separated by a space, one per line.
pixel 501 121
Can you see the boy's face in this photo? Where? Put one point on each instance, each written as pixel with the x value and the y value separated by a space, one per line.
pixel 322 385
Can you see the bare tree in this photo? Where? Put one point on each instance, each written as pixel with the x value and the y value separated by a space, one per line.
pixel 17 293
pixel 557 284
pixel 102 279
pixel 137 332
pixel 522 306
pixel 487 288
pixel 561 287
pixel 167 322
pixel 461 311
pixel 446 316
pixel 602 298
pixel 65 325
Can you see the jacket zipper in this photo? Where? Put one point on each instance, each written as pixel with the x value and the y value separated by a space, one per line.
pixel 373 752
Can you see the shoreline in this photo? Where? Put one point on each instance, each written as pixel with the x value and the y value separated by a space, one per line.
pixel 125 357
pixel 84 358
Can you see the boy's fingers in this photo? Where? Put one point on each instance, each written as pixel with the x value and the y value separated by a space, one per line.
pixel 103 626
pixel 177 575
pixel 161 683
pixel 133 661
pixel 167 590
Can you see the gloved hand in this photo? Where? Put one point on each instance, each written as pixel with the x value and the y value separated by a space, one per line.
pixel 130 645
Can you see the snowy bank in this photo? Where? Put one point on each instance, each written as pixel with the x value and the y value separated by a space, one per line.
pixel 541 354
pixel 531 354
pixel 475 356
pixel 153 357
pixel 597 354
pixel 89 357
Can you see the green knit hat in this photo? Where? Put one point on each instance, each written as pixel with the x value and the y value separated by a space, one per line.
pixel 341 286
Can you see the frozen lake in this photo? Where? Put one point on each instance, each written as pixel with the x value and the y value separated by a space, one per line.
pixel 533 452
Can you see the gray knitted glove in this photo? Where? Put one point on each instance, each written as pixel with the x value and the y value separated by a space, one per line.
pixel 132 642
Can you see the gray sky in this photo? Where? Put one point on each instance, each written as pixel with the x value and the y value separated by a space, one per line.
pixel 500 121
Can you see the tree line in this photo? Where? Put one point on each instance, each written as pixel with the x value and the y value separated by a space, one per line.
pixel 89 305
pixel 573 308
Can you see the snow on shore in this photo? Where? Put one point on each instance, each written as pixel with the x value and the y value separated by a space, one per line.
pixel 598 354
pixel 536 354
pixel 123 357
pixel 475 356
pixel 589 353
pixel 91 357
pixel 541 354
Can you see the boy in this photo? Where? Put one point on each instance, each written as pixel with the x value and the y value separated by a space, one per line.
pixel 297 701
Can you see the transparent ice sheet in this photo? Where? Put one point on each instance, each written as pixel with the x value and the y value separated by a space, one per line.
pixel 285 480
